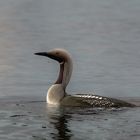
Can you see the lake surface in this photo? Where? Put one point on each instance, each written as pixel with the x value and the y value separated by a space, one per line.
pixel 103 38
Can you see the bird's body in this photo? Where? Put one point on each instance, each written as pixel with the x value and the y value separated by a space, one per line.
pixel 57 95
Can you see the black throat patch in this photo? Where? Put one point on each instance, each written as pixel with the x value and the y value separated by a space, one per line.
pixel 60 77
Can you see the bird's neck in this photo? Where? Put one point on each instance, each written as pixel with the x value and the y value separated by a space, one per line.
pixel 57 91
pixel 61 75
pixel 64 73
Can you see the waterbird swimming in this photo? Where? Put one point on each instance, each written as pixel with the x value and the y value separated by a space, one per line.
pixel 57 94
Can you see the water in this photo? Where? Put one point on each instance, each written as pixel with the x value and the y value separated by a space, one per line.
pixel 103 38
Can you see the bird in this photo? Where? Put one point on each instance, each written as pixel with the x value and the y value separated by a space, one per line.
pixel 57 95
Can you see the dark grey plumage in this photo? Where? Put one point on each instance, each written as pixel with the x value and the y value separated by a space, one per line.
pixel 85 100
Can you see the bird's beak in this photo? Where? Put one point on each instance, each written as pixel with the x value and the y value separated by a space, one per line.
pixel 47 54
pixel 42 54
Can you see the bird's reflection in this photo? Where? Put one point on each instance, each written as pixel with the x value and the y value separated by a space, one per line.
pixel 59 119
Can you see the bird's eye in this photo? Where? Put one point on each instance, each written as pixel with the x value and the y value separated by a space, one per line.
pixel 57 53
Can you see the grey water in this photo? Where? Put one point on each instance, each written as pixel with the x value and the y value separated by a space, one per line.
pixel 103 38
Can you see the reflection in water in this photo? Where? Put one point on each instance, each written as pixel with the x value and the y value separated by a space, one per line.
pixel 59 119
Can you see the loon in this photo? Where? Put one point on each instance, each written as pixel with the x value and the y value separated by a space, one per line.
pixel 57 94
